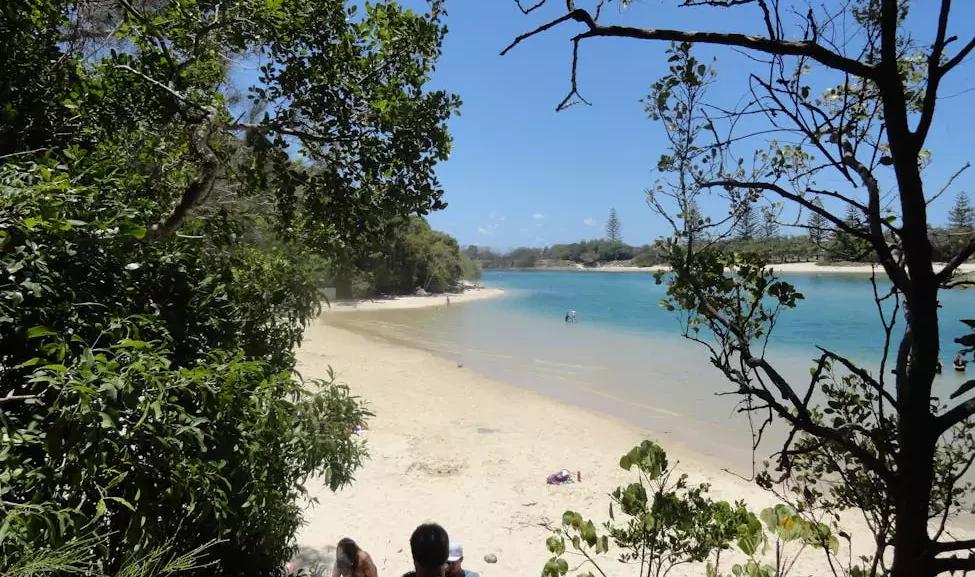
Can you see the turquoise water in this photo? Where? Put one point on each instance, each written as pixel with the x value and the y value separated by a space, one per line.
pixel 838 312
pixel 625 357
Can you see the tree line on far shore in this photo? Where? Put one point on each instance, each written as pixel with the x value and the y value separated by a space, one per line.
pixel 755 231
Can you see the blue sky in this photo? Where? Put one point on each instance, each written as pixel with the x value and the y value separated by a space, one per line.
pixel 522 174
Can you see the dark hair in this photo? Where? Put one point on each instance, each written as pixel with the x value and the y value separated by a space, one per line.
pixel 430 545
pixel 347 554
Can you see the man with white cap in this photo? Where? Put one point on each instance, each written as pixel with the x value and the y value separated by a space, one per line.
pixel 455 557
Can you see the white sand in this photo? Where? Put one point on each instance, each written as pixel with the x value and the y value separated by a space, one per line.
pixel 811 267
pixel 471 453
pixel 413 301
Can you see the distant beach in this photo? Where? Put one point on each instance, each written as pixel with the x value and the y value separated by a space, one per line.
pixel 414 301
pixel 789 267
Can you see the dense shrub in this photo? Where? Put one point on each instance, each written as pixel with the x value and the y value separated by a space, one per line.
pixel 147 387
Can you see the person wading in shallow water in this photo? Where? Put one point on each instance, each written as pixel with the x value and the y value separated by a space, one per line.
pixel 351 561
pixel 429 545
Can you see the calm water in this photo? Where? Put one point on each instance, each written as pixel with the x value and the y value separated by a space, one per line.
pixel 626 357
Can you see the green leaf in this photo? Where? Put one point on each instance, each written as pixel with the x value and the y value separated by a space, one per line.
pixel 107 421
pixel 133 229
pixel 122 502
pixel 29 363
pixel 100 508
pixel 38 332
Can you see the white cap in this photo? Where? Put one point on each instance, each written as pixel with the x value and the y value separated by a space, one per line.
pixel 455 553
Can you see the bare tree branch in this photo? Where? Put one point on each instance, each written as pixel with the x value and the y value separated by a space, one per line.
pixel 953 564
pixel 934 76
pixel 944 275
pixel 532 8
pixel 956 60
pixel 207 166
pixel 11 398
pixel 813 50
pixel 950 180
pixel 954 416
pixel 538 30
pixel 953 545
pixel 574 91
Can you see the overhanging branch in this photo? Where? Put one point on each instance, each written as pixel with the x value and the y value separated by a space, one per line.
pixel 945 546
pixel 955 415
pixel 778 47
pixel 953 564
pixel 945 274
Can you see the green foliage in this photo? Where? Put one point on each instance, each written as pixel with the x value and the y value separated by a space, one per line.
pixel 817 225
pixel 152 400
pixel 343 84
pixel 415 256
pixel 587 253
pixel 962 213
pixel 163 245
pixel 661 522
pixel 747 226
pixel 733 295
pixel 78 557
pixel 846 246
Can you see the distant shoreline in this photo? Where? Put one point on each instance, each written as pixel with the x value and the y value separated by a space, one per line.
pixel 412 301
pixel 790 267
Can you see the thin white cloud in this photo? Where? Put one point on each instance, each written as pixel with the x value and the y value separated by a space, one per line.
pixel 525 229
pixel 539 225
pixel 495 215
pixel 488 230
pixel 588 221
pixel 538 216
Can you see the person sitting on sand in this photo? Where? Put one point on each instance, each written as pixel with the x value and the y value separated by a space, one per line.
pixel 430 545
pixel 455 559
pixel 351 561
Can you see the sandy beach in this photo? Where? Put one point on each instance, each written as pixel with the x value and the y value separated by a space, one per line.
pixel 451 446
pixel 413 301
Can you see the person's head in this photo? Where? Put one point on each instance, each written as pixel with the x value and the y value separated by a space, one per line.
pixel 346 556
pixel 429 545
pixel 455 558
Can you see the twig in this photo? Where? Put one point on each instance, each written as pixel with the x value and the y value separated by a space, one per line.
pixel 950 180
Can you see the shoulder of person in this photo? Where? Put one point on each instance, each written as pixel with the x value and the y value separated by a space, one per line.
pixel 470 573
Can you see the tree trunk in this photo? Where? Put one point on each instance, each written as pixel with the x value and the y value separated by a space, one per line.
pixel 917 437
pixel 912 557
